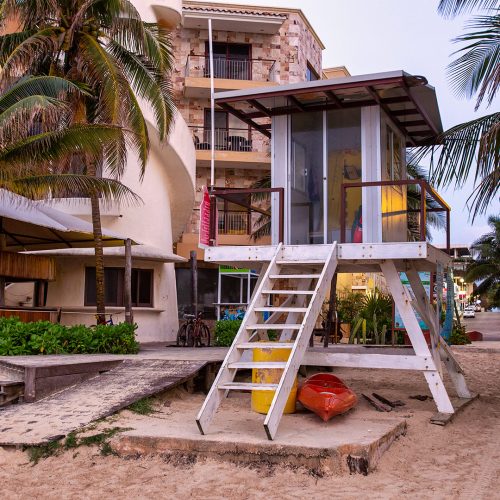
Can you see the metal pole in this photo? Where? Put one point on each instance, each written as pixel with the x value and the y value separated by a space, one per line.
pixel 212 105
pixel 194 280
pixel 128 282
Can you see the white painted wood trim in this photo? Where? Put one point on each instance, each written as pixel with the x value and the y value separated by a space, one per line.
pixel 351 360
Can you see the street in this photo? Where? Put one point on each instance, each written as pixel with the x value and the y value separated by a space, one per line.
pixel 488 323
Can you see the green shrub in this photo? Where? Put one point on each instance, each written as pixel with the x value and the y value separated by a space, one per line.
pixel 458 335
pixel 225 331
pixel 42 337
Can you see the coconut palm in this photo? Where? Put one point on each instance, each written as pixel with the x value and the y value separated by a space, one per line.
pixel 486 265
pixel 106 48
pixel 35 137
pixel 433 219
pixel 471 149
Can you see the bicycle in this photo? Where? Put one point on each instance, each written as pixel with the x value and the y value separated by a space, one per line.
pixel 106 322
pixel 194 332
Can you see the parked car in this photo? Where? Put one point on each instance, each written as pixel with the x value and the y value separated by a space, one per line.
pixel 469 312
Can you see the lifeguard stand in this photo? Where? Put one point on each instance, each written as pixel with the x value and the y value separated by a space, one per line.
pixel 338 204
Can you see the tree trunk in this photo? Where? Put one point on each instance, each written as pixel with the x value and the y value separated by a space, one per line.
pixel 99 260
pixel 332 306
pixel 129 318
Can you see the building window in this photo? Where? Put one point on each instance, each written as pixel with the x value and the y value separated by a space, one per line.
pixel 311 73
pixel 207 291
pixel 231 60
pixel 114 278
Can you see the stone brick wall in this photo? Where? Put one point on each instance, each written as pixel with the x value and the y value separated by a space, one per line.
pixel 292 48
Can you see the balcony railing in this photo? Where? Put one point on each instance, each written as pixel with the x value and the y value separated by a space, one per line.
pixel 235 222
pixel 231 68
pixel 225 139
pixel 419 215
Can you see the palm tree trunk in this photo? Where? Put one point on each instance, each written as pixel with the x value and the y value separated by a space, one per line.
pixel 99 254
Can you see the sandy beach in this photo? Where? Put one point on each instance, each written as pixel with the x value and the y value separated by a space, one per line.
pixel 461 460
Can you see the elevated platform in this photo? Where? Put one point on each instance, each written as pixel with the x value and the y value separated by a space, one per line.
pixel 352 257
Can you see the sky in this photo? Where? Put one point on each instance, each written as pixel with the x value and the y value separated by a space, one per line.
pixel 370 36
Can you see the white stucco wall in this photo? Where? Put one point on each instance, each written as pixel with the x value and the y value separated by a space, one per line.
pixel 167 192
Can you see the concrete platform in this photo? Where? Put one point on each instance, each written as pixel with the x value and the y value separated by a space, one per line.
pixel 350 443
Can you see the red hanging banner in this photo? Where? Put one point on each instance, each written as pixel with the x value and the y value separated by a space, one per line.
pixel 204 241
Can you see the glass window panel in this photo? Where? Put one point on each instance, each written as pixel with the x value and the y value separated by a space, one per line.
pixel 307 178
pixel 344 167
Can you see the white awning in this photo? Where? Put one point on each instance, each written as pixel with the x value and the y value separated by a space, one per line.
pixel 139 252
pixel 28 225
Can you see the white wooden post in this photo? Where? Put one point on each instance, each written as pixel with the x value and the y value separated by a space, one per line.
pixel 403 303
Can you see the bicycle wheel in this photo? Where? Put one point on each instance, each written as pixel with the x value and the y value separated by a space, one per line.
pixel 204 336
pixel 190 335
pixel 181 336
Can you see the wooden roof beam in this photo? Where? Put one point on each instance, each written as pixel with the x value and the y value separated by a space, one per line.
pixel 383 105
pixel 242 116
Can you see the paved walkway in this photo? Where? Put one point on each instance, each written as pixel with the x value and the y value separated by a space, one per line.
pixel 75 407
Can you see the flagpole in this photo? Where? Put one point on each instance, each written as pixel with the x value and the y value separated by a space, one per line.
pixel 212 106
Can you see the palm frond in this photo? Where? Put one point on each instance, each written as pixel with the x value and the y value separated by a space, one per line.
pixel 452 8
pixel 477 70
pixel 38 187
pixel 53 146
pixel 149 84
pixel 472 144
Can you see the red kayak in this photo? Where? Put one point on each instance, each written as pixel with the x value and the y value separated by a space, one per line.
pixel 326 395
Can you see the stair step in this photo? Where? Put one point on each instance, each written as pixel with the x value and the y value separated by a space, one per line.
pixel 247 386
pixel 294 276
pixel 10 383
pixel 306 262
pixel 265 345
pixel 281 309
pixel 288 292
pixel 257 364
pixel 279 326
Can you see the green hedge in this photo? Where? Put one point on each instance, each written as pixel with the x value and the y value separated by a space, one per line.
pixel 42 337
pixel 225 331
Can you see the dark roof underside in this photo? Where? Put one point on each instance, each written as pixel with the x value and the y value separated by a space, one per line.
pixel 409 102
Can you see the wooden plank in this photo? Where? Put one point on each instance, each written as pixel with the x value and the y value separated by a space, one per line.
pixel 265 345
pixel 294 276
pixel 378 405
pixel 459 404
pixel 25 266
pixel 273 326
pixel 248 365
pixel 280 309
pixel 243 386
pixel 379 361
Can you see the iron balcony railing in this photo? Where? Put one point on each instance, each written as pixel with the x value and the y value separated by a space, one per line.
pixel 225 139
pixel 234 222
pixel 231 68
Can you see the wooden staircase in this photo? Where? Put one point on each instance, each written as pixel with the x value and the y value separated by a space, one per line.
pixel 307 271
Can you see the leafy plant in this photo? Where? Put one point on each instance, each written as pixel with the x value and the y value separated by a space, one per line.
pixel 225 331
pixel 349 307
pixel 458 335
pixel 42 337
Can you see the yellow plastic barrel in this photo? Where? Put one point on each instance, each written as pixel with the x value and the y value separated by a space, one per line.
pixel 261 400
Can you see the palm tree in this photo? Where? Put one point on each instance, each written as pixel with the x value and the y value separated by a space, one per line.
pixel 35 136
pixel 486 265
pixel 104 47
pixel 435 220
pixel 471 149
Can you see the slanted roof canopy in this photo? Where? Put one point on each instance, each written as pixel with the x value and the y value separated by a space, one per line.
pixel 28 225
pixel 408 100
